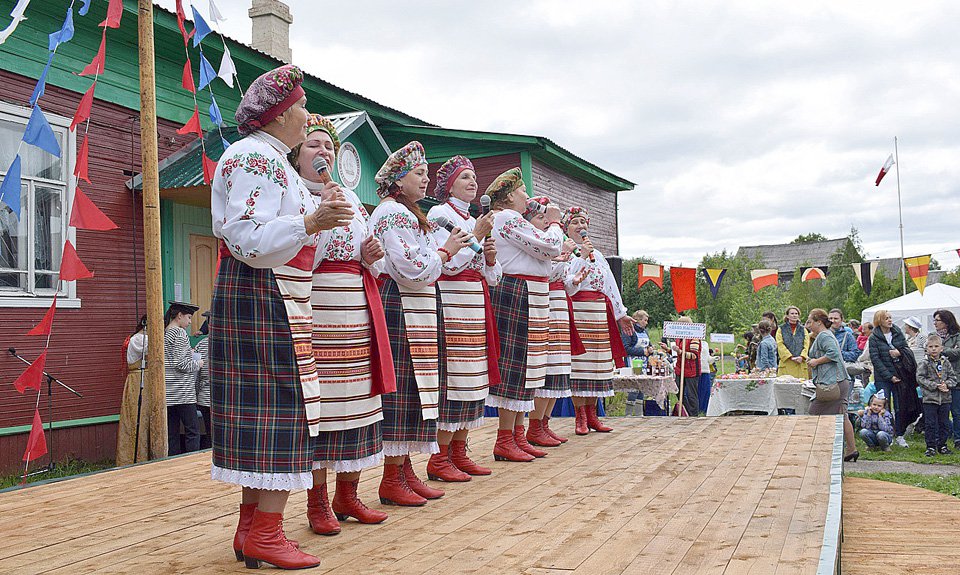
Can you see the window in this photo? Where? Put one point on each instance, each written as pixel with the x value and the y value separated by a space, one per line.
pixel 31 243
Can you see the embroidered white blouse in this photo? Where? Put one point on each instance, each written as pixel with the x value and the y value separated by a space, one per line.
pixel 411 257
pixel 465 259
pixel 599 278
pixel 257 202
pixel 341 244
pixel 523 249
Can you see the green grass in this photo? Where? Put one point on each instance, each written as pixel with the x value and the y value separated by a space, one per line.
pixel 64 469
pixel 913 453
pixel 947 484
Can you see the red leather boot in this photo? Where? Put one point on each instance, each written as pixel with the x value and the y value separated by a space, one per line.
pixel 546 428
pixel 521 438
pixel 347 504
pixel 581 424
pixel 439 468
pixel 266 543
pixel 319 515
pixel 419 487
pixel 458 456
pixel 395 491
pixel 538 436
pixel 593 422
pixel 243 527
pixel 506 448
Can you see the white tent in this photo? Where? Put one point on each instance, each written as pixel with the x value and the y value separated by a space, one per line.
pixel 936 296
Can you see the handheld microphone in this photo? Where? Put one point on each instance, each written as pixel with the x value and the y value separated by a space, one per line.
pixel 446 224
pixel 583 236
pixel 323 170
pixel 484 205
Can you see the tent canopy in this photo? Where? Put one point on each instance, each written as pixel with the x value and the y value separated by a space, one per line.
pixel 936 296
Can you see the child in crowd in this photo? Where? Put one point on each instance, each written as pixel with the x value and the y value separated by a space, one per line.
pixel 767 350
pixel 936 379
pixel 876 423
pixel 865 331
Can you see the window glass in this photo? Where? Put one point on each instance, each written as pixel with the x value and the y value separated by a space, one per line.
pixel 14 244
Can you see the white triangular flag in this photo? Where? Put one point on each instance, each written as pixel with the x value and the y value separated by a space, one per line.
pixel 227 69
pixel 17 14
pixel 215 14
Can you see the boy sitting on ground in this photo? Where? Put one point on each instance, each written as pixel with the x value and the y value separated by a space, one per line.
pixel 936 379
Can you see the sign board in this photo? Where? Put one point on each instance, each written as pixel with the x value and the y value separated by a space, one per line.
pixel 348 166
pixel 721 338
pixel 682 330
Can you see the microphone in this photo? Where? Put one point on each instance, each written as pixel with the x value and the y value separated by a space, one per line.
pixel 446 224
pixel 583 236
pixel 323 170
pixel 484 205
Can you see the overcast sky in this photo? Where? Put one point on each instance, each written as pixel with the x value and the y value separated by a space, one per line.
pixel 741 123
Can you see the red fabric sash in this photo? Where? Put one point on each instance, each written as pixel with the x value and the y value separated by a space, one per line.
pixel 576 344
pixel 616 344
pixel 381 358
pixel 529 278
pixel 302 261
pixel 493 336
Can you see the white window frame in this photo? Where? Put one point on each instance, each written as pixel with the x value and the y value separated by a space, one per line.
pixel 67 297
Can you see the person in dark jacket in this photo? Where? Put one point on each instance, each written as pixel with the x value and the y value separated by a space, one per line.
pixel 946 325
pixel 886 341
pixel 937 380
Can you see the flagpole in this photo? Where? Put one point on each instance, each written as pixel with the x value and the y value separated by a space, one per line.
pixel 903 264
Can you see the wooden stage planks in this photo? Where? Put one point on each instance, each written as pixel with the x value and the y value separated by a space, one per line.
pixel 658 495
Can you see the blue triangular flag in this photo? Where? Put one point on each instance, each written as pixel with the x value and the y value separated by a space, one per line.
pixel 226 144
pixel 40 134
pixel 85 7
pixel 200 28
pixel 65 34
pixel 41 86
pixel 10 188
pixel 207 73
pixel 215 115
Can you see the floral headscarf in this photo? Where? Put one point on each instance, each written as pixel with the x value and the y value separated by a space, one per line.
pixel 536 205
pixel 267 97
pixel 317 122
pixel 448 173
pixel 574 212
pixel 505 183
pixel 398 165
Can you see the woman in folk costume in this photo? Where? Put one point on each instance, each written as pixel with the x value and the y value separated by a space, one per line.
pixel 133 430
pixel 265 404
pixel 350 343
pixel 793 341
pixel 469 346
pixel 412 264
pixel 600 315
pixel 522 306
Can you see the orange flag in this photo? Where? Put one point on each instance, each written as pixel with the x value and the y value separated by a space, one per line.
pixel 650 273
pixel 71 268
pixel 43 328
pixel 33 375
pixel 684 284
pixel 763 278
pixel 37 442
pixel 918 267
pixel 85 214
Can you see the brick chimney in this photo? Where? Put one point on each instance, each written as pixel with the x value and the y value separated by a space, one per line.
pixel 271 28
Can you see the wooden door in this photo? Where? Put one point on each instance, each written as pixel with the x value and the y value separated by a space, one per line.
pixel 203 266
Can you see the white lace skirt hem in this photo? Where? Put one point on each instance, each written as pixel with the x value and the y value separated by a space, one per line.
pixel 594 394
pixel 268 481
pixel 398 448
pixel 350 465
pixel 552 393
pixel 508 404
pixel 460 425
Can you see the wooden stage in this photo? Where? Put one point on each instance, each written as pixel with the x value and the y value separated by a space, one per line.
pixel 658 495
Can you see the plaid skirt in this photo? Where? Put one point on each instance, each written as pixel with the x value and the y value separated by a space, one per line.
pixel 350 449
pixel 259 424
pixel 511 306
pixel 557 386
pixel 403 420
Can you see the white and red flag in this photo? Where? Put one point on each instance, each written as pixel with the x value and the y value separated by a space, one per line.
pixel 886 168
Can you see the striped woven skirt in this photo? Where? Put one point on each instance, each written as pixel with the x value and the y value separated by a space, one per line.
pixel 522 308
pixel 591 373
pixel 410 414
pixel 558 359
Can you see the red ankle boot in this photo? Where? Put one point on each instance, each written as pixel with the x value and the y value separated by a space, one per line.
pixel 521 438
pixel 506 448
pixel 439 468
pixel 546 428
pixel 458 456
pixel 266 543
pixel 347 504
pixel 419 487
pixel 319 515
pixel 243 527
pixel 581 425
pixel 593 422
pixel 395 491
pixel 537 435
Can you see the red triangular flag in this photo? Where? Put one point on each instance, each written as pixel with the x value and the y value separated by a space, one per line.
pixel 209 169
pixel 684 283
pixel 71 268
pixel 180 18
pixel 85 214
pixel 95 67
pixel 32 376
pixel 36 443
pixel 83 110
pixel 187 81
pixel 43 328
pixel 114 12
pixel 192 125
pixel 83 161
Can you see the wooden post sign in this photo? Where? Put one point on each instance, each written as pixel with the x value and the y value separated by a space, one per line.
pixel 722 338
pixel 683 331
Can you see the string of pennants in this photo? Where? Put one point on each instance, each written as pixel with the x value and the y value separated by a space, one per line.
pixel 84 213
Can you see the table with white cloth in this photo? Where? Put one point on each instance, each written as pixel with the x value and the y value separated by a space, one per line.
pixel 653 387
pixel 765 395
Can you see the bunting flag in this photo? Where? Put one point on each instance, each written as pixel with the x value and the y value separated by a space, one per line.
pixel 83 109
pixel 207 74
pixel 886 168
pixel 85 215
pixel 39 133
pixel 36 442
pixel 813 273
pixel 209 169
pixel 918 267
pixel 192 125
pixel 114 13
pixel 187 81
pixel 200 27
pixel 865 273
pixel 41 86
pixel 763 278
pixel 215 116
pixel 10 188
pixel 215 13
pixel 45 325
pixel 227 69
pixel 181 18
pixel 95 67
pixel 958 252
pixel 85 7
pixel 714 276
pixel 684 284
pixel 71 268
pixel 83 162
pixel 17 15
pixel 33 375
pixel 64 34
pixel 649 273
pixel 226 145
